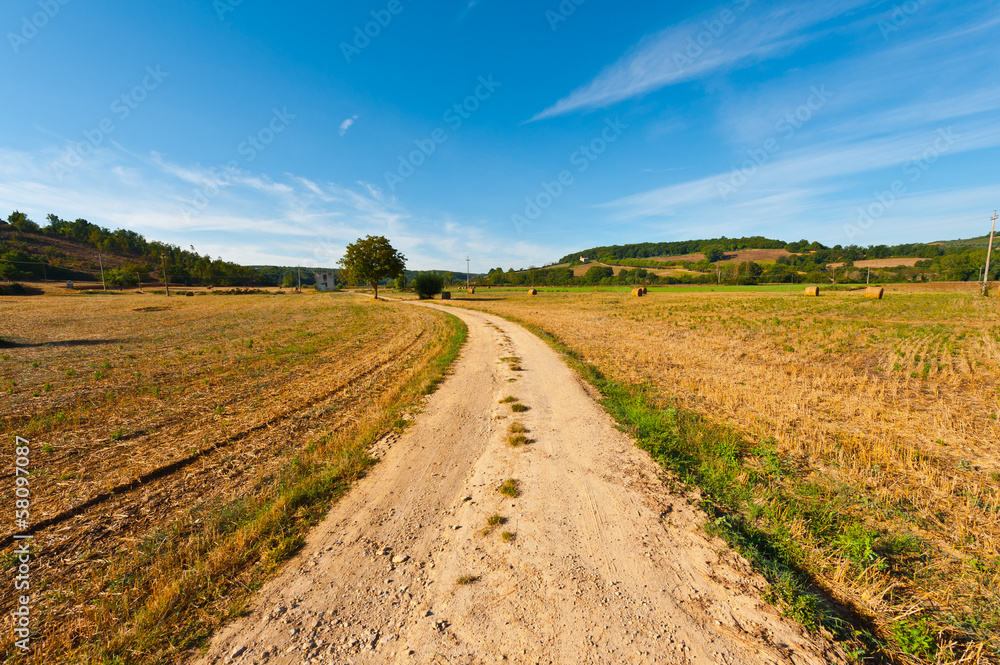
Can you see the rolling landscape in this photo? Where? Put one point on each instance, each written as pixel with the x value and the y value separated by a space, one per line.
pixel 570 333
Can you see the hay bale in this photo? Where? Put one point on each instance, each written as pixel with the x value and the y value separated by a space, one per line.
pixel 446 295
pixel 812 291
pixel 190 294
pixel 637 293
pixel 645 290
pixel 874 292
pixel 472 289
pixel 532 292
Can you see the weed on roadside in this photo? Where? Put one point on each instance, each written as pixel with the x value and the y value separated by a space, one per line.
pixel 511 488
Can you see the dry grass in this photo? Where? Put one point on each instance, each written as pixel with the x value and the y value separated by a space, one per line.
pixel 511 488
pixel 516 435
pixel 895 402
pixel 169 437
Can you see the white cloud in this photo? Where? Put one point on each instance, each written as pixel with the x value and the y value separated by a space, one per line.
pixel 700 46
pixel 344 126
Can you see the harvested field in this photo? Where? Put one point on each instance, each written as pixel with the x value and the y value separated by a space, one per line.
pixel 180 447
pixel 737 256
pixel 882 263
pixel 877 420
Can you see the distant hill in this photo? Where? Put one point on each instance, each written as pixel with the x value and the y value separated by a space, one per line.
pixel 969 242
pixel 75 250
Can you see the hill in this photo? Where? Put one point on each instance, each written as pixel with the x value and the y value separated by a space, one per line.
pixel 77 250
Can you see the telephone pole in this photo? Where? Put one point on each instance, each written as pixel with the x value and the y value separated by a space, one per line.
pixel 467 269
pixel 101 259
pixel 166 285
pixel 299 270
pixel 989 252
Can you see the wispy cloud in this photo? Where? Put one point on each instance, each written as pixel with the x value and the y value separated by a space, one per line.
pixel 730 37
pixel 344 126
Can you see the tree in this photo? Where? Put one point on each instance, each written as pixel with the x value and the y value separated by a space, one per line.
pixel 122 277
pixel 370 260
pixel 21 222
pixel 401 281
pixel 714 254
pixel 8 271
pixel 428 284
pixel 597 273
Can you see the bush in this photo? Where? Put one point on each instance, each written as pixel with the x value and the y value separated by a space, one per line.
pixel 427 284
pixel 714 254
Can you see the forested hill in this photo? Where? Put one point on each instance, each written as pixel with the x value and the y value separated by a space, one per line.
pixel 645 250
pixel 69 250
pixel 836 253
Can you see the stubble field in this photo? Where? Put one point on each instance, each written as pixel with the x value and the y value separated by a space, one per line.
pixel 181 447
pixel 849 447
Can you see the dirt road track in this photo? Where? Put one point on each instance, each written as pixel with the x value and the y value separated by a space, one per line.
pixel 606 566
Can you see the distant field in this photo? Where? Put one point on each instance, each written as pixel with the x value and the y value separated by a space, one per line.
pixel 882 263
pixel 179 448
pixel 883 417
pixel 737 256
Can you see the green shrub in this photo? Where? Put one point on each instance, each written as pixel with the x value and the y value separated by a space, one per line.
pixel 427 284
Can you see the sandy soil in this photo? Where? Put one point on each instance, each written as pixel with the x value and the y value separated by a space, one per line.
pixel 606 566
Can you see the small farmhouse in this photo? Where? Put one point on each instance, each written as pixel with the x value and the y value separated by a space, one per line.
pixel 326 281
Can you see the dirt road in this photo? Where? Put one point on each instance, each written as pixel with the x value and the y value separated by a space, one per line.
pixel 605 565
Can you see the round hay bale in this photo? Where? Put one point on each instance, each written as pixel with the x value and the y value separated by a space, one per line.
pixel 446 295
pixel 190 294
pixel 637 293
pixel 472 289
pixel 874 292
pixel 532 292
pixel 812 291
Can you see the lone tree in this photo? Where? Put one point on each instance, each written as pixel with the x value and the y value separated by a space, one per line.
pixel 370 260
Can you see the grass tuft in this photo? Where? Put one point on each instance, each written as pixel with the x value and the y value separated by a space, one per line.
pixel 511 488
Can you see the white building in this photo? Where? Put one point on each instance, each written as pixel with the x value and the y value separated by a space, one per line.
pixel 326 281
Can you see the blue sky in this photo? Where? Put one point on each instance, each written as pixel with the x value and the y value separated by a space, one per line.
pixel 512 132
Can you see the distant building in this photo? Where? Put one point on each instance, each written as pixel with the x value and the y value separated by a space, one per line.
pixel 326 281
pixel 583 259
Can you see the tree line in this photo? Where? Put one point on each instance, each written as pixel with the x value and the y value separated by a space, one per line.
pixel 146 258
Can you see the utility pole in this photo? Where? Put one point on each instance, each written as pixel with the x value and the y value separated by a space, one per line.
pixel 166 285
pixel 299 270
pixel 869 280
pixel 467 272
pixel 101 259
pixel 989 252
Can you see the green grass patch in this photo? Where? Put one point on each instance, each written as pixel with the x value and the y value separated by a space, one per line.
pixel 511 488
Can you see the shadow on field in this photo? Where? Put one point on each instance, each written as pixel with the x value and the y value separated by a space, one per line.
pixel 10 344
